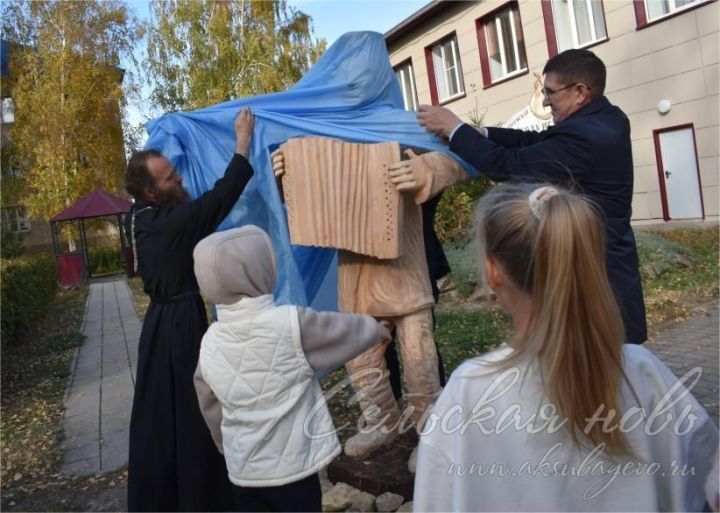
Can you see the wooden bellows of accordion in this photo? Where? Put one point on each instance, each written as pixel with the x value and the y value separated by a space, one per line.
pixel 339 195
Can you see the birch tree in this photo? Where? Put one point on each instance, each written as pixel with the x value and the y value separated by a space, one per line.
pixel 205 52
pixel 67 86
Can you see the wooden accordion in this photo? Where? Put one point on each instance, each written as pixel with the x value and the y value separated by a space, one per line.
pixel 339 195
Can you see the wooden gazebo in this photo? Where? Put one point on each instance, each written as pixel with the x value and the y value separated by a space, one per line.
pixel 73 266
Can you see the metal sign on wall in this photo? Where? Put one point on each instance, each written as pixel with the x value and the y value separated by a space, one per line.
pixel 535 116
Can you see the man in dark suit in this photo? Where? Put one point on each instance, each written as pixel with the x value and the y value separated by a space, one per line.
pixel 588 150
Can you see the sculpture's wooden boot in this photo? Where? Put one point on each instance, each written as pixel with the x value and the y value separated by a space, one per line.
pixel 369 377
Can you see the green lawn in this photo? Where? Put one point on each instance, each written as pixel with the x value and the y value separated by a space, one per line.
pixel 34 375
pixel 465 334
pixel 673 296
pixel 700 278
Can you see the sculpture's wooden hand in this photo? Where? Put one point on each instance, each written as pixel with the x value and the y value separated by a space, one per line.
pixel 406 175
pixel 278 163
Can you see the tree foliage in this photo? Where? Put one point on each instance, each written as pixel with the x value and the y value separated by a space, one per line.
pixel 205 52
pixel 67 86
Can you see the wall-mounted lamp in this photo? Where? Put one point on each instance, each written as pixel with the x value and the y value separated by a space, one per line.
pixel 663 106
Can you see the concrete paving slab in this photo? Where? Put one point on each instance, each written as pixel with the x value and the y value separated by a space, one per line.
pixel 117 423
pixel 113 450
pixel 81 441
pixel 97 412
pixel 82 467
pixel 86 451
pixel 690 345
pixel 117 382
pixel 117 418
pixel 77 403
pixel 111 367
pixel 82 429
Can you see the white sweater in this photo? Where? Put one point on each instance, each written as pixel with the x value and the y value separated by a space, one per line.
pixel 276 428
pixel 478 452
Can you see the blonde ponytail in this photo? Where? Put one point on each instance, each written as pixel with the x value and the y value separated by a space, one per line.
pixel 553 249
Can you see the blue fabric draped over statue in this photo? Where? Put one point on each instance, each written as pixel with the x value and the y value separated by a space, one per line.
pixel 351 93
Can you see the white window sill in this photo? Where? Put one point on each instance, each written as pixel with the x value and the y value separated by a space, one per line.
pixel 510 75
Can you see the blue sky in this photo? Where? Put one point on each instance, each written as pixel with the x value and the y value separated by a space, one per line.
pixel 331 19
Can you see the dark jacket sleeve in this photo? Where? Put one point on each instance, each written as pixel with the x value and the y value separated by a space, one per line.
pixel 202 216
pixel 512 138
pixel 562 154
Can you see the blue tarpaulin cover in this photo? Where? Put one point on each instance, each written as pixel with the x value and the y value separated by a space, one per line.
pixel 351 93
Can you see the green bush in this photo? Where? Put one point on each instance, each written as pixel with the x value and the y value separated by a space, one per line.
pixel 453 218
pixel 105 260
pixel 10 242
pixel 27 285
pixel 658 255
pixel 464 264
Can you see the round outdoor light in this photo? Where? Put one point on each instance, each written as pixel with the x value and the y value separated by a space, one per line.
pixel 663 106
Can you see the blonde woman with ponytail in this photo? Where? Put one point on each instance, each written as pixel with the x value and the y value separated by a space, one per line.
pixel 564 416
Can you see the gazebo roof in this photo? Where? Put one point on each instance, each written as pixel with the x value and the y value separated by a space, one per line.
pixel 96 204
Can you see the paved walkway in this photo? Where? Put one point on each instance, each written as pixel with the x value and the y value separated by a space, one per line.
pixel 97 412
pixel 694 344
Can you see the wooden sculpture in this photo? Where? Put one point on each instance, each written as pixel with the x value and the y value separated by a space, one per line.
pixel 362 189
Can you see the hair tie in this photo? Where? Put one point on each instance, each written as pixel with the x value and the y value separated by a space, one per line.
pixel 539 197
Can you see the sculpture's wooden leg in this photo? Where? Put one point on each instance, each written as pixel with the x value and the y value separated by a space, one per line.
pixel 420 362
pixel 369 377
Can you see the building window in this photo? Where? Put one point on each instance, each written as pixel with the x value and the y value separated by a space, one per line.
pixel 7 110
pixel 658 8
pixel 502 47
pixel 576 23
pixel 15 219
pixel 649 11
pixel 406 78
pixel 444 70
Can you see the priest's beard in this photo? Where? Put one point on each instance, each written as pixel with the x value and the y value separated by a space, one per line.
pixel 175 196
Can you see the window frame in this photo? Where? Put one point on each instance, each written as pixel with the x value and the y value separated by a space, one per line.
pixel 413 87
pixel 432 78
pixel 551 33
pixel 642 20
pixel 22 222
pixel 7 110
pixel 482 46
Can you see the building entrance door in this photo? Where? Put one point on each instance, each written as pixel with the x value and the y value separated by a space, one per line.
pixel 679 174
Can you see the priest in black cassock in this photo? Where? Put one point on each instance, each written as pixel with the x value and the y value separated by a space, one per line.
pixel 174 464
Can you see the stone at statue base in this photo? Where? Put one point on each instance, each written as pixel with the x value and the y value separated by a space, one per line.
pixel 385 470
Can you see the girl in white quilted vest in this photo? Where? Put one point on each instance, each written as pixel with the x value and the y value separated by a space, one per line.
pixel 563 417
pixel 256 375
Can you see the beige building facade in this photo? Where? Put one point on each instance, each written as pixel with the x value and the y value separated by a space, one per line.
pixel 480 60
